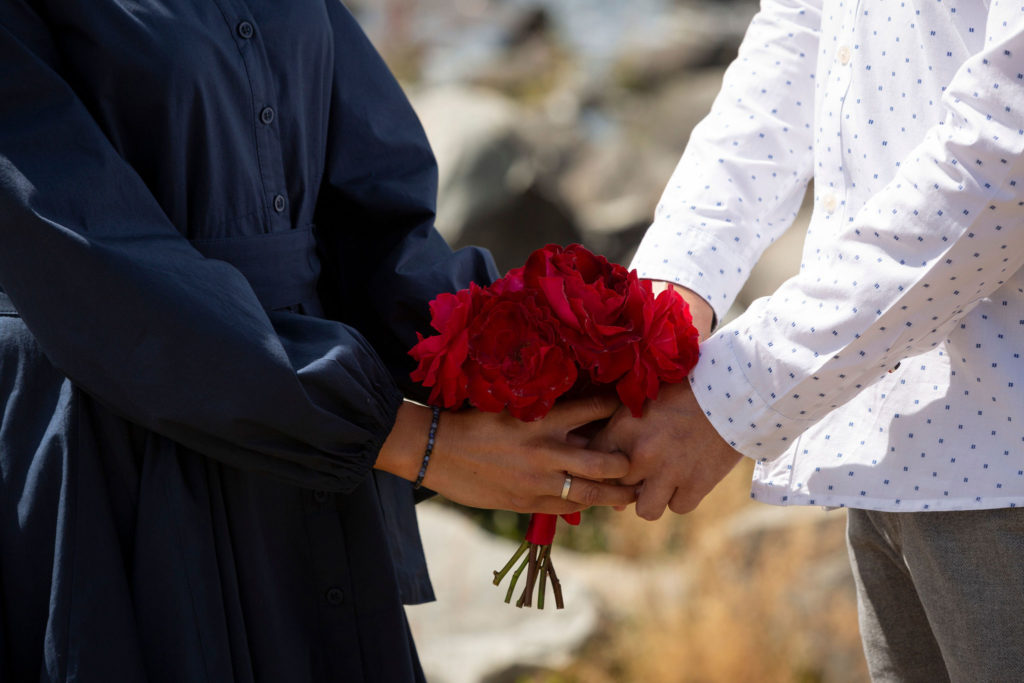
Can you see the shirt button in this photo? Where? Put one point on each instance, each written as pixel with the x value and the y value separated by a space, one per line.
pixel 267 115
pixel 844 55
pixel 829 203
pixel 321 496
pixel 335 596
pixel 245 30
pixel 279 203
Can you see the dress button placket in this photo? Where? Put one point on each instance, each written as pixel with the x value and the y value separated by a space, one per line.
pixel 335 596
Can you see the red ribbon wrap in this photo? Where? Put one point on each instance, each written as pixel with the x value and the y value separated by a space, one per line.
pixel 542 527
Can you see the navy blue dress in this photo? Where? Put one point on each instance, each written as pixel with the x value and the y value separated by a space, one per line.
pixel 216 245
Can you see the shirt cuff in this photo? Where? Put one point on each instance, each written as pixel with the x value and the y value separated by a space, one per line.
pixel 734 406
pixel 672 253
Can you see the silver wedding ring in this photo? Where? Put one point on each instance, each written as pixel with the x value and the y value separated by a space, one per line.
pixel 565 486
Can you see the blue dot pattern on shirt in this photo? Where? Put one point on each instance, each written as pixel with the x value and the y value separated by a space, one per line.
pixel 909 116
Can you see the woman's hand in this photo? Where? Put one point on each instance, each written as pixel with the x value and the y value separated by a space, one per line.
pixel 492 460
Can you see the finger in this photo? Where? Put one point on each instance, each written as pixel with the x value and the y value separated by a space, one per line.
pixel 641 468
pixel 604 441
pixel 580 411
pixel 576 440
pixel 620 432
pixel 590 464
pixel 591 493
pixel 683 501
pixel 652 498
pixel 633 478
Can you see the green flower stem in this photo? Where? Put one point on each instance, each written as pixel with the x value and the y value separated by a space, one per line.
pixel 545 558
pixel 515 577
pixel 499 575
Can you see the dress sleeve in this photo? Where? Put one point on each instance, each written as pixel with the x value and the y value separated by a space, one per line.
pixel 745 170
pixel 945 233
pixel 382 259
pixel 121 303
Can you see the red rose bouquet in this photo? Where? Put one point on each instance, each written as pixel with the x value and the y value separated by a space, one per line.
pixel 565 320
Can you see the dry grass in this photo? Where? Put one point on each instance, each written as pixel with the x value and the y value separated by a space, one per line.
pixel 766 605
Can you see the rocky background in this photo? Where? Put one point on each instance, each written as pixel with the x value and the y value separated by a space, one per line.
pixel 561 121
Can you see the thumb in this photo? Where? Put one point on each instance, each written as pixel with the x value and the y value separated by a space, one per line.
pixel 580 411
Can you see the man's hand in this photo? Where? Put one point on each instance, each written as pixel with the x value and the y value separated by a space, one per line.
pixel 676 456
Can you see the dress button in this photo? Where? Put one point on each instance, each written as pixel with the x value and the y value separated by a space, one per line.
pixel 279 203
pixel 267 115
pixel 245 30
pixel 321 496
pixel 335 596
pixel 844 55
pixel 829 203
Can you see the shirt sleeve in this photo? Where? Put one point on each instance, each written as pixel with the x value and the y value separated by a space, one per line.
pixel 383 260
pixel 940 237
pixel 121 302
pixel 745 170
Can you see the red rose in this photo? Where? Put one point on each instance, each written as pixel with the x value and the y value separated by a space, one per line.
pixel 519 343
pixel 600 305
pixel 441 356
pixel 516 358
pixel 666 353
pixel 512 282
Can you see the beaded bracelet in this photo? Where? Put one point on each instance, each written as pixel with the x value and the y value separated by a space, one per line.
pixel 430 445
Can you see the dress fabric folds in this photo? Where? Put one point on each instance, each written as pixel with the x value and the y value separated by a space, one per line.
pixel 216 246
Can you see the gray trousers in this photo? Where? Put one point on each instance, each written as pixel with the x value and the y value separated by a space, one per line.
pixel 940 594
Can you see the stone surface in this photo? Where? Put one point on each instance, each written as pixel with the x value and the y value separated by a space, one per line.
pixel 471 636
pixel 488 191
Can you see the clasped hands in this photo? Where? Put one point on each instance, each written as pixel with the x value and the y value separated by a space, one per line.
pixel 671 457
pixel 675 455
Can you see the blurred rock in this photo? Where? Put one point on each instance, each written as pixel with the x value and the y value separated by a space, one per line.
pixel 514 229
pixel 488 194
pixel 616 175
pixel 534 22
pixel 689 37
pixel 473 134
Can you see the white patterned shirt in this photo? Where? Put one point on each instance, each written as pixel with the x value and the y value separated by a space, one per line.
pixel 887 374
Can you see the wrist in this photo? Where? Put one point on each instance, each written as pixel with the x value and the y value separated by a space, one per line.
pixel 700 310
pixel 435 419
pixel 403 450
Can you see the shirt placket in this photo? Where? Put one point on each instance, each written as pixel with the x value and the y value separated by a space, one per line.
pixel 836 140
